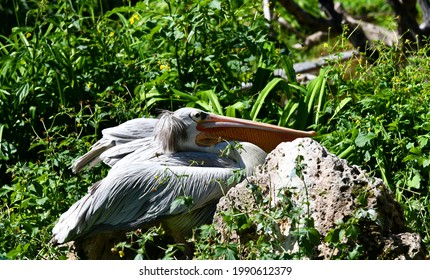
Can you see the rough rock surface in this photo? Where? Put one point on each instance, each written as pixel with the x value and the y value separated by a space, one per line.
pixel 328 190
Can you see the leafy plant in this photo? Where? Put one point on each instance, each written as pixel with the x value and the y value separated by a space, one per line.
pixel 254 231
pixel 146 245
pixel 383 126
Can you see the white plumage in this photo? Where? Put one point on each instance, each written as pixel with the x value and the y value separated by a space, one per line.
pixel 182 154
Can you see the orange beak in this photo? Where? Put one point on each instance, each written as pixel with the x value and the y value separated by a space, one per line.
pixel 215 129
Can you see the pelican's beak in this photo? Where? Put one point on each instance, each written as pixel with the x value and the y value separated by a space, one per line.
pixel 215 128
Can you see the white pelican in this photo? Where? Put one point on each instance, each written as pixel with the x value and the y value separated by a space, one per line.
pixel 187 153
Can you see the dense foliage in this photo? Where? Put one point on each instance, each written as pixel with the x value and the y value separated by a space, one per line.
pixel 384 127
pixel 71 69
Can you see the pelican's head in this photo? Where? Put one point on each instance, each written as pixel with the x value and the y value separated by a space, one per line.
pixel 189 129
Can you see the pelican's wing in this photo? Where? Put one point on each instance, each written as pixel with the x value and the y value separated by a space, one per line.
pixel 118 152
pixel 122 134
pixel 137 193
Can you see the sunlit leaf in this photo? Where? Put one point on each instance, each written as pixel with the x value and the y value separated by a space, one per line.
pixel 364 139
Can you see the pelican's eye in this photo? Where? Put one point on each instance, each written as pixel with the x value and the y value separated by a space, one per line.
pixel 198 115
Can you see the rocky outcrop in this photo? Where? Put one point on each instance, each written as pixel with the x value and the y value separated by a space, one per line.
pixel 301 190
pixel 352 212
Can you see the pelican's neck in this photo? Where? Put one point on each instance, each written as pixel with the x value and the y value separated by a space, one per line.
pixel 246 154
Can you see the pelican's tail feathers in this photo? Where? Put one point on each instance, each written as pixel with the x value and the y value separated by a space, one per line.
pixel 111 156
pixel 92 157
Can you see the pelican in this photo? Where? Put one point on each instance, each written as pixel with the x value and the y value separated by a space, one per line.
pixel 187 153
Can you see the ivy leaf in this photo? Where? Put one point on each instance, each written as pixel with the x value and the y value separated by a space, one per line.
pixel 41 201
pixel 332 236
pixel 415 182
pixel 422 140
pixel 179 35
pixel 227 252
pixel 215 5
pixel 353 231
pixel 243 222
pixel 364 138
pixel 179 201
pixel 355 254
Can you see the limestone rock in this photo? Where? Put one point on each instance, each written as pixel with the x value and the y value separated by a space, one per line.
pixel 334 195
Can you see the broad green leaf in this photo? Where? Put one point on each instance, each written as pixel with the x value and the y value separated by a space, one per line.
pixel 353 231
pixel 340 106
pixel 345 153
pixel 321 98
pixel 181 201
pixel 300 89
pixel 213 101
pixel 313 88
pixel 355 254
pixel 289 110
pixel 1 132
pixel 179 35
pixel 381 161
pixel 423 140
pixel 262 97
pixel 205 105
pixel 231 109
pixel 288 66
pixel 41 201
pixel 415 182
pixel 227 252
pixel 23 92
pixel 183 95
pixel 364 139
pixel 215 4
